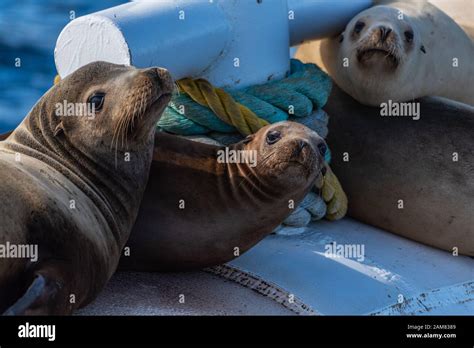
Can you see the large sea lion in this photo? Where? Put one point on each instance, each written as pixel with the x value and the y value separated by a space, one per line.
pixel 71 186
pixel 411 177
pixel 399 51
pixel 200 210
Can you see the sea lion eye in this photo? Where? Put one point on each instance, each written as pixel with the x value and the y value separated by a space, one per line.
pixel 97 100
pixel 273 137
pixel 322 149
pixel 409 36
pixel 358 27
pixel 341 38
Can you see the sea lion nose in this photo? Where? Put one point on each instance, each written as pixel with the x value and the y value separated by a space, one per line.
pixel 384 32
pixel 300 145
pixel 163 77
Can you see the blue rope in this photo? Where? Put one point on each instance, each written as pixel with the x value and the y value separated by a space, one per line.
pixel 304 91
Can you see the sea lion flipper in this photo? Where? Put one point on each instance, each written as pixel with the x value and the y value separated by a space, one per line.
pixel 39 295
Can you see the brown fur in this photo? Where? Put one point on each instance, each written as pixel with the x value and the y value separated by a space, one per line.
pixel 66 158
pixel 227 205
pixel 392 158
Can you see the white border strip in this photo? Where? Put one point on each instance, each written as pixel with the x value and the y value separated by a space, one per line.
pixel 434 299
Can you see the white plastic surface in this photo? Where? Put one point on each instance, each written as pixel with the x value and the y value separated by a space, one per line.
pixel 146 34
pixel 231 43
pixel 397 276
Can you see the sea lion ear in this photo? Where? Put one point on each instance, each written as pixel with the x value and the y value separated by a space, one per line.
pixel 422 48
pixel 248 139
pixel 59 129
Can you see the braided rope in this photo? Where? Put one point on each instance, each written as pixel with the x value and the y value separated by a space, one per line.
pixel 223 105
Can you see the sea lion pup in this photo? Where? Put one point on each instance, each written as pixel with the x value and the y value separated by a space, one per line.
pixel 412 178
pixel 72 185
pixel 399 51
pixel 201 210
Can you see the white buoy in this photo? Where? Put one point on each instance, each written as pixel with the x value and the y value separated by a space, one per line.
pixel 230 43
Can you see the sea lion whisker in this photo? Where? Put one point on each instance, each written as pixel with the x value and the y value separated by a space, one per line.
pixel 123 124
pixel 254 174
pixel 120 126
pixel 268 157
pixel 116 137
pixel 144 103
pixel 115 134
pixel 121 121
pixel 124 131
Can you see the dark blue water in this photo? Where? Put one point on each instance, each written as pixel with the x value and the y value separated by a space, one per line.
pixel 28 30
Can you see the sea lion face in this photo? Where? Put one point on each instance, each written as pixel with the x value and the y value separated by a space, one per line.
pixel 123 104
pixel 380 40
pixel 288 154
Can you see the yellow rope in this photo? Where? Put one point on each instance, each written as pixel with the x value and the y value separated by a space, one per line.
pixel 222 104
pixel 334 196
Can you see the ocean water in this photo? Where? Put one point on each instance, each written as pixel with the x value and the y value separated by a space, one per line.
pixel 28 31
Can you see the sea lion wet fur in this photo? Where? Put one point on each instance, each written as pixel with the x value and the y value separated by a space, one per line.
pixel 199 211
pixel 67 187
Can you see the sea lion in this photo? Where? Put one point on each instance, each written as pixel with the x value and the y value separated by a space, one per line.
pixel 199 210
pixel 72 185
pixel 399 51
pixel 412 178
pixel 460 11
